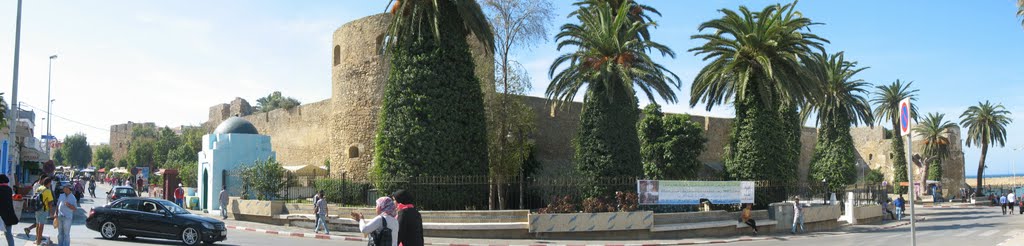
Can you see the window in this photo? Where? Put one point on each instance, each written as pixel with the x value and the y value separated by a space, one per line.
pixel 127 204
pixel 353 152
pixel 870 156
pixel 337 55
pixel 150 207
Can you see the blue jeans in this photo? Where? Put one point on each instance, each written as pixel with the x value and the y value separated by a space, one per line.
pixel 180 202
pixel 10 237
pixel 899 213
pixel 64 231
pixel 224 211
pixel 321 220
pixel 798 220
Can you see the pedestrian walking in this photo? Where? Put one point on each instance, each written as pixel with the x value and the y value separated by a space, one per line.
pixel 46 210
pixel 1002 203
pixel 320 207
pixel 745 217
pixel 67 204
pixel 32 196
pixel 1011 201
pixel 179 196
pixel 79 191
pixel 798 216
pixel 886 210
pixel 92 188
pixel 7 213
pixel 410 223
pixel 385 219
pixel 223 203
pixel 139 185
pixel 900 204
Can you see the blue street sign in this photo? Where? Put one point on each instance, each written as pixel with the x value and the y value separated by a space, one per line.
pixel 48 137
pixel 5 164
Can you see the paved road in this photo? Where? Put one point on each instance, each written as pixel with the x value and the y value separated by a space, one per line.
pixel 80 235
pixel 944 226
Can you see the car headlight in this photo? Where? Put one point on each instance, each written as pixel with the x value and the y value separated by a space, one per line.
pixel 208 225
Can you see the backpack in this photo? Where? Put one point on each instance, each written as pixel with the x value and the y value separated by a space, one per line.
pixel 381 237
pixel 35 203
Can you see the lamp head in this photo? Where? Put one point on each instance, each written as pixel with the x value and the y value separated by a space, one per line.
pixel 53 57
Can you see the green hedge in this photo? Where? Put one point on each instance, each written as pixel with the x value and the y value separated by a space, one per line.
pixel 343 191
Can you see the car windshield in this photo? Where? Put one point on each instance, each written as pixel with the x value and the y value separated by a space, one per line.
pixel 173 208
pixel 125 192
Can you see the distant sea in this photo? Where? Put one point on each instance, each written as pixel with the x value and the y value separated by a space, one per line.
pixel 1001 175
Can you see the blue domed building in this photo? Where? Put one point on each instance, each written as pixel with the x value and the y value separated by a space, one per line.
pixel 235 143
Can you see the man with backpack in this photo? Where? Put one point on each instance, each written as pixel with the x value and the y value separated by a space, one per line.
pixel 42 201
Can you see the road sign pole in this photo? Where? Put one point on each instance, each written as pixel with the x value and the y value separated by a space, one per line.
pixel 910 186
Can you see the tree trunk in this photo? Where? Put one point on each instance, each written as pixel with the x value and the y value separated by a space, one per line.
pixel 501 193
pixel 491 190
pixel 981 168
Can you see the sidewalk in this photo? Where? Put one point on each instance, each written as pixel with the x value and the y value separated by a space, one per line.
pixel 287 231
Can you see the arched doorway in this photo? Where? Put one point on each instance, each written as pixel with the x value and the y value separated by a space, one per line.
pixel 206 187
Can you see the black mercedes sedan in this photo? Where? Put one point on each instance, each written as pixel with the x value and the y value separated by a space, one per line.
pixel 157 218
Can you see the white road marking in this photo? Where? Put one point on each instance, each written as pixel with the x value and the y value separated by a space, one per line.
pixel 965 233
pixel 989 233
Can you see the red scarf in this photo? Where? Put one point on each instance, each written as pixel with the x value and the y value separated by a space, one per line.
pixel 402 206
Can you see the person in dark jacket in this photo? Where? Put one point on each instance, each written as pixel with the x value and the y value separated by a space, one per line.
pixel 410 223
pixel 7 208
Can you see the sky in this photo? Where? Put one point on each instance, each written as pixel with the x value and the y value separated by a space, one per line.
pixel 168 62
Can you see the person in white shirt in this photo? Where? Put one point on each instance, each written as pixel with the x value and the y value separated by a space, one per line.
pixel 385 214
pixel 1011 200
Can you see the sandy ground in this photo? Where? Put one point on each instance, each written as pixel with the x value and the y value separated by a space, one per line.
pixel 1003 181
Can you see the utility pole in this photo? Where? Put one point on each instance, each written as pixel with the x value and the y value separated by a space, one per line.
pixel 49 106
pixel 12 117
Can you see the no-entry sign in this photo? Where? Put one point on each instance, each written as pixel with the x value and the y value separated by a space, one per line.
pixel 905 117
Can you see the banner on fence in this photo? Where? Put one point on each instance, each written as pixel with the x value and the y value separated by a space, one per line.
pixel 678 192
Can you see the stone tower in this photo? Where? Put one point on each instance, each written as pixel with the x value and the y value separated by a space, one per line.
pixel 358 73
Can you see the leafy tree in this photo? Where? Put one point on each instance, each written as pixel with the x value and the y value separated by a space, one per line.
pixel 874 176
pixel 842 104
pixel 3 111
pixel 188 147
pixel 607 57
pixel 933 129
pixel 670 144
pixel 887 99
pixel 755 65
pixel 263 179
pixel 166 141
pixel 143 132
pixel 141 153
pixel 986 125
pixel 58 158
pixel 275 101
pixel 122 163
pixel 76 151
pixel 517 25
pixel 186 171
pixel 1020 11
pixel 432 119
pixel 103 157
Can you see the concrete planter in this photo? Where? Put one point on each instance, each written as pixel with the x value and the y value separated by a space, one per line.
pixel 588 222
pixel 255 207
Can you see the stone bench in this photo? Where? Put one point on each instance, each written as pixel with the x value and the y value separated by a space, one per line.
pixel 693 225
pixel 477 226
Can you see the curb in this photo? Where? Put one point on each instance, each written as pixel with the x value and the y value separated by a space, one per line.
pixel 297 234
pixel 361 239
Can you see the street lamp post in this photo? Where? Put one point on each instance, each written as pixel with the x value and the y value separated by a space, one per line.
pixel 12 118
pixel 49 104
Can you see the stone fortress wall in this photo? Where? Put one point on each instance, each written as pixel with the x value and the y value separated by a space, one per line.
pixel 342 128
pixel 121 136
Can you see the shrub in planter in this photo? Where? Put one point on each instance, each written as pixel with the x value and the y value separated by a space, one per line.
pixel 596 205
pixel 559 205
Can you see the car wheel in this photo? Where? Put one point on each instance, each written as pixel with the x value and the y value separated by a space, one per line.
pixel 108 230
pixel 190 236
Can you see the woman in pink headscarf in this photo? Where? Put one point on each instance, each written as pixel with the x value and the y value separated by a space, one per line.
pixel 385 216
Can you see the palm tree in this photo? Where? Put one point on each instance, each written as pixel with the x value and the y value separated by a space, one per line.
pixel 755 64
pixel 637 13
pixel 887 99
pixel 1020 11
pixel 986 125
pixel 609 59
pixel 841 104
pixel 933 130
pixel 432 119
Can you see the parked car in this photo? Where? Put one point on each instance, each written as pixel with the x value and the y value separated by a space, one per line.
pixel 118 192
pixel 156 218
